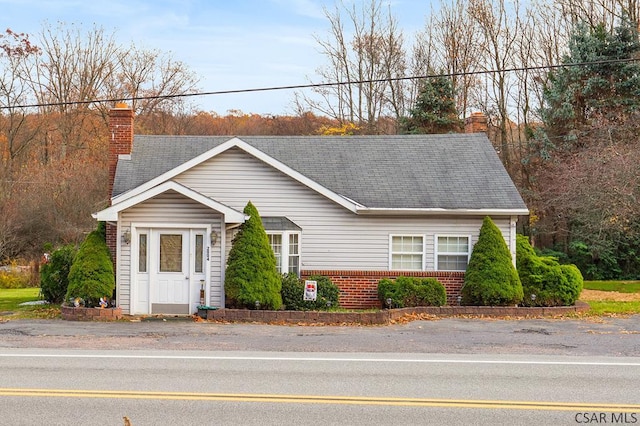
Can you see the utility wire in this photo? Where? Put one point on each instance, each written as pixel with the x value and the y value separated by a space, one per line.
pixel 320 85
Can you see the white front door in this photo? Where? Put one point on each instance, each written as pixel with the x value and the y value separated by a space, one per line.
pixel 170 268
pixel 171 283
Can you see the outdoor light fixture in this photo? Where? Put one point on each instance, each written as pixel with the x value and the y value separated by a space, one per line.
pixel 214 237
pixel 257 304
pixel 533 297
pixel 389 302
pixel 459 300
pixel 126 237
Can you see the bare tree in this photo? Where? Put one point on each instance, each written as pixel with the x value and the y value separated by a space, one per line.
pixel 362 59
pixel 596 12
pixel 72 72
pixel 498 29
pixel 449 45
pixel 155 81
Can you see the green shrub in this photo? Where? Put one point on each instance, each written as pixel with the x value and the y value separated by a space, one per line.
pixel 13 276
pixel 293 294
pixel 545 282
pixel 491 279
pixel 91 275
pixel 408 292
pixel 251 269
pixel 54 275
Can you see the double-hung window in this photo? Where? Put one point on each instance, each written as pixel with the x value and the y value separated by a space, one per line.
pixel 284 238
pixel 407 253
pixel 452 252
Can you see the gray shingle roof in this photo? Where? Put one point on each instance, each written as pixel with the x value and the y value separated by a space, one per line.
pixel 452 171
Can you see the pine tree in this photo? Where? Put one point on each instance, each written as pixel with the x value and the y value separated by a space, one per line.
pixel 252 280
pixel 491 279
pixel 579 98
pixel 435 109
pixel 91 275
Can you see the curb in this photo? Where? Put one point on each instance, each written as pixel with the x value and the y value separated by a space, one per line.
pixel 386 316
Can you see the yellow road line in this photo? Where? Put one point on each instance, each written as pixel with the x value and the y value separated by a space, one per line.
pixel 324 399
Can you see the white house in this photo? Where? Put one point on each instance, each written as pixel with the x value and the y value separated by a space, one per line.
pixel 354 208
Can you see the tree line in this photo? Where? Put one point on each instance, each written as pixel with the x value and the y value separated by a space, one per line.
pixel 567 136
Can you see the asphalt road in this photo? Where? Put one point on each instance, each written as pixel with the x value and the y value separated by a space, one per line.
pixel 575 337
pixel 159 387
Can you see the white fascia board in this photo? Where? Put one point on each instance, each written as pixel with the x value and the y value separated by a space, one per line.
pixel 238 143
pixel 111 213
pixel 437 211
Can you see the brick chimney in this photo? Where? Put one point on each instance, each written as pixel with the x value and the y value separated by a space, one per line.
pixel 476 123
pixel 121 137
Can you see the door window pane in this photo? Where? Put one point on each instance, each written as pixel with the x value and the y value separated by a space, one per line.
pixel 199 267
pixel 170 253
pixel 142 253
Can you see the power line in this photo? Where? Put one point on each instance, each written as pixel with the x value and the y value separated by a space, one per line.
pixel 320 85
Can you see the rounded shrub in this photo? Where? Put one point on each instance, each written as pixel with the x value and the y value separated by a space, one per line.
pixel 252 280
pixel 491 279
pixel 293 294
pixel 91 275
pixel 545 282
pixel 408 292
pixel 54 275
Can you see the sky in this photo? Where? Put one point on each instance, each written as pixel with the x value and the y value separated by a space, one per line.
pixel 229 44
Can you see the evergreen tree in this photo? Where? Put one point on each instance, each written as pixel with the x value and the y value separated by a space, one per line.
pixel 91 276
pixel 251 269
pixel 579 98
pixel 491 279
pixel 435 109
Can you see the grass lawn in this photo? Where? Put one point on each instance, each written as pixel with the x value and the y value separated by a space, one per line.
pixel 10 300
pixel 612 297
pixel 619 286
pixel 607 307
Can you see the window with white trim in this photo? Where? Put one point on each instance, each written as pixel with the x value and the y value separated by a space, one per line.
pixel 294 254
pixel 407 252
pixel 287 254
pixel 452 252
pixel 275 241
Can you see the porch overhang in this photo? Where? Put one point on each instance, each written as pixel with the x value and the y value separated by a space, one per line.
pixel 111 213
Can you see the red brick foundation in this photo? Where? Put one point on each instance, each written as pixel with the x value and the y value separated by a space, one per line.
pixel 359 289
pixel 71 313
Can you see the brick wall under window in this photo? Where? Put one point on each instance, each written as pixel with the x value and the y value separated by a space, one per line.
pixel 359 289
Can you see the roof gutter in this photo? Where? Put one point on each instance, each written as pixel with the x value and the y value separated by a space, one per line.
pixel 379 211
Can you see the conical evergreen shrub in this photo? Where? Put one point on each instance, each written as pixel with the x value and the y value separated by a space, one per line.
pixel 491 279
pixel 251 269
pixel 91 276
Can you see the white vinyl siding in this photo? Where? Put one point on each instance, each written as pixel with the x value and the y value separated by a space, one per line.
pixel 452 252
pixel 332 237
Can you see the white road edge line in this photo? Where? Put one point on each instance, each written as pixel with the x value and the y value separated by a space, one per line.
pixel 318 359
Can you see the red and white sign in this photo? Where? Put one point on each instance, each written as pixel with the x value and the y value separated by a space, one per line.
pixel 310 290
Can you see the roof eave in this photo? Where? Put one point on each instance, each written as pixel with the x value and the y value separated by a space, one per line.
pixel 381 211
